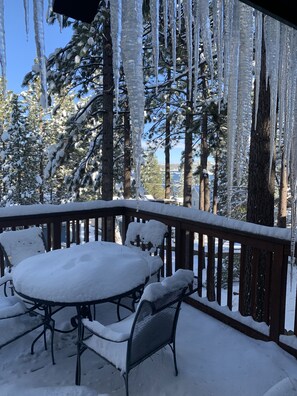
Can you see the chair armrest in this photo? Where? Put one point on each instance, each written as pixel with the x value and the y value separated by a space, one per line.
pixel 105 332
pixel 5 278
pixel 10 307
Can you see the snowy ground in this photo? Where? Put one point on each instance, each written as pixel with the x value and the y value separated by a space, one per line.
pixel 213 360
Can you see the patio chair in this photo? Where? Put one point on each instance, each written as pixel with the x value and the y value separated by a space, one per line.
pixel 21 244
pixel 127 343
pixel 17 319
pixel 17 246
pixel 149 239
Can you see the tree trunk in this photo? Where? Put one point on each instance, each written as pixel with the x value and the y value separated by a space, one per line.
pixel 107 127
pixel 167 160
pixel 188 161
pixel 127 155
pixel 167 145
pixel 107 134
pixel 215 185
pixel 260 202
pixel 204 179
pixel 283 197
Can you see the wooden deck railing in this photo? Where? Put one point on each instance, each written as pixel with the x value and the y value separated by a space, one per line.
pixel 241 269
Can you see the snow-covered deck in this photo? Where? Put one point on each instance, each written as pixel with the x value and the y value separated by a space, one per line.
pixel 213 246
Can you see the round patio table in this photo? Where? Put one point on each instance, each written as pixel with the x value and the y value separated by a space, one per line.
pixel 80 276
pixel 83 274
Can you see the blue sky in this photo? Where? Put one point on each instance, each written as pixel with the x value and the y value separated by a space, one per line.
pixel 20 51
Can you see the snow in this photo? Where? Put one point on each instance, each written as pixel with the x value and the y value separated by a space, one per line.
pixel 213 359
pixel 113 339
pixel 89 272
pixel 152 231
pixel 164 210
pixel 11 306
pixel 18 244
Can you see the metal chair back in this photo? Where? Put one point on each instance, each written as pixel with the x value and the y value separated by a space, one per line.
pixel 21 244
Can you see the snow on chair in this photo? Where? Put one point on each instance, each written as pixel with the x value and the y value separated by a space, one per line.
pixel 17 246
pixel 127 343
pixel 148 238
pixel 17 319
pixel 21 244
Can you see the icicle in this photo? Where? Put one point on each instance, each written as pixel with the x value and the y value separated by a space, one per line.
pixel 39 41
pixel 188 22
pixel 288 71
pixel 2 45
pixel 282 86
pixel 132 31
pixel 219 34
pixel 292 165
pixel 26 9
pixel 206 34
pixel 229 5
pixel 196 20
pixel 232 102
pixel 258 55
pixel 154 10
pixel 272 45
pixel 245 85
pixel 293 178
pixel 116 32
pixel 178 7
pixel 172 16
pixel 165 21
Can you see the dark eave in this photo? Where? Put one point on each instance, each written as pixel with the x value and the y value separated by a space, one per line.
pixel 85 10
pixel 81 10
pixel 284 10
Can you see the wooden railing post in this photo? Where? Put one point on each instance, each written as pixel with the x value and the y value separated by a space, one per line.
pixel 56 235
pixel 278 285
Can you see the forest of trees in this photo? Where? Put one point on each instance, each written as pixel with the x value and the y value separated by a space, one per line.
pixel 80 147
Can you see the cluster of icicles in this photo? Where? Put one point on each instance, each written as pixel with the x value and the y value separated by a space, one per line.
pixel 233 40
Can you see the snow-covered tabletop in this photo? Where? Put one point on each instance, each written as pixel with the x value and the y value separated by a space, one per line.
pixel 84 273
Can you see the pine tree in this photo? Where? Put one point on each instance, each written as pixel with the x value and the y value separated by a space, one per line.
pixel 151 177
pixel 20 159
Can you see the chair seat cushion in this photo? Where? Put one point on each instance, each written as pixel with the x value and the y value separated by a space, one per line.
pixel 15 320
pixel 114 352
pixel 154 263
pixel 11 306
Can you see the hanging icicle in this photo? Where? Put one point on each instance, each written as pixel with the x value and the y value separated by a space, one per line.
pixel 206 35
pixel 165 21
pixel 178 7
pixel 218 6
pixel 154 11
pixel 229 5
pixel 116 34
pixel 26 10
pixel 293 174
pixel 39 40
pixel 245 87
pixel 172 17
pixel 132 31
pixel 258 47
pixel 188 23
pixel 232 102
pixel 272 45
pixel 2 45
pixel 196 21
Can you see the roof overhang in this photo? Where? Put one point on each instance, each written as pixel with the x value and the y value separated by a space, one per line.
pixel 85 10
pixel 284 10
pixel 81 10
